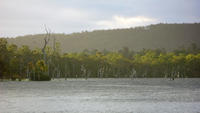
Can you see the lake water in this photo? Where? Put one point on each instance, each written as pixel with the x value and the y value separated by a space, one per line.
pixel 101 96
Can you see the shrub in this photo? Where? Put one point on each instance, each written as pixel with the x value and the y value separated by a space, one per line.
pixel 41 77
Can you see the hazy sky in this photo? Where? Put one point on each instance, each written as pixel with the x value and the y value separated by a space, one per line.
pixel 21 17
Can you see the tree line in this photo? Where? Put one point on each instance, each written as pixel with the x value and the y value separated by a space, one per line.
pixel 49 63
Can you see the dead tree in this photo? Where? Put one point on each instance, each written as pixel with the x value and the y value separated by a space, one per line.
pixel 133 73
pixel 46 41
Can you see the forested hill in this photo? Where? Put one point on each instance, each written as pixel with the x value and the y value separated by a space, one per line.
pixel 168 36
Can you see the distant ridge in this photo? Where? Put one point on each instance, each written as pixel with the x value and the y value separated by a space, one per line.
pixel 168 36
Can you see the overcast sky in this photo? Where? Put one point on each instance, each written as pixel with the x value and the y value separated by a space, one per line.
pixel 21 17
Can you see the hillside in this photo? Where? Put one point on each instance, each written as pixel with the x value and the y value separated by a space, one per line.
pixel 168 36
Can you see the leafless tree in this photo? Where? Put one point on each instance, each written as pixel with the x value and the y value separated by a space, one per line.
pixel 46 41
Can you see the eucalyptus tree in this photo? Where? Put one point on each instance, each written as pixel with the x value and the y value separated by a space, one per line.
pixel 3 58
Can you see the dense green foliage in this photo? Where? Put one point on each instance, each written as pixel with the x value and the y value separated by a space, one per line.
pixel 168 36
pixel 26 63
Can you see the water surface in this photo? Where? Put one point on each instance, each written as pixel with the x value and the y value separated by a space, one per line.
pixel 101 96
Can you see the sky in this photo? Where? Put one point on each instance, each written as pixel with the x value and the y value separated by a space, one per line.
pixel 23 17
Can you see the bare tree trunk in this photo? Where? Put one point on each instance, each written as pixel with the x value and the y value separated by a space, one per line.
pixel 27 73
pixel 38 75
pixel 65 72
pixel 48 68
pixel 86 75
pixel 65 76
pixel 46 41
pixel 34 75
